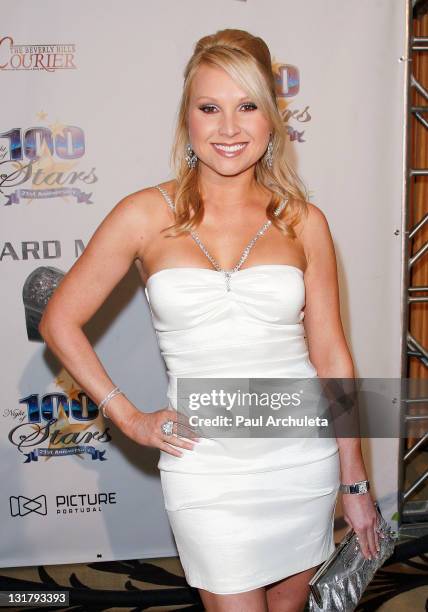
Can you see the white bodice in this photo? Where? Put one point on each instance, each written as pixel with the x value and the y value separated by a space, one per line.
pixel 251 326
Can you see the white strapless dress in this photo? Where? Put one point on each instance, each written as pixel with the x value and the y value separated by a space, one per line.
pixel 245 512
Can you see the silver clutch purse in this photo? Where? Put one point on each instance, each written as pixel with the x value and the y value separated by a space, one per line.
pixel 342 579
pixel 37 291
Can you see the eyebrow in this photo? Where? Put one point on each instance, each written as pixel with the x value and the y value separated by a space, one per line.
pixel 215 99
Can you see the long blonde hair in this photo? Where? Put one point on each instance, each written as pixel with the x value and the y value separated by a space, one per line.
pixel 246 58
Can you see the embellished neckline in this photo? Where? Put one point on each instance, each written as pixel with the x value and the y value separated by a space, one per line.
pixel 227 272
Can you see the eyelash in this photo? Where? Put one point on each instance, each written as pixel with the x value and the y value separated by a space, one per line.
pixel 205 106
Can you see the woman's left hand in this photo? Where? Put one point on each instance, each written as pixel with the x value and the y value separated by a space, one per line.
pixel 360 514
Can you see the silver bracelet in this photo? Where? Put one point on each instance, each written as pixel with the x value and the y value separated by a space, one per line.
pixel 358 488
pixel 107 398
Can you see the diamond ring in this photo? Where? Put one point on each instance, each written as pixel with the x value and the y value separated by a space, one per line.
pixel 167 427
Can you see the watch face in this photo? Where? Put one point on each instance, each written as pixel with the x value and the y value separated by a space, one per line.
pixel 361 488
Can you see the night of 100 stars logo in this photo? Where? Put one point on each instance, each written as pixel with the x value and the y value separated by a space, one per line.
pixel 44 161
pixel 58 424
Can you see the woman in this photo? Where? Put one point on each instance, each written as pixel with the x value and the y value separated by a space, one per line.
pixel 252 518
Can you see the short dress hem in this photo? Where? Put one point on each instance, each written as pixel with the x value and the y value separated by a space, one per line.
pixel 264 582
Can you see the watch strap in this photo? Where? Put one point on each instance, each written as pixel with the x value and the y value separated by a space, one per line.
pixel 357 488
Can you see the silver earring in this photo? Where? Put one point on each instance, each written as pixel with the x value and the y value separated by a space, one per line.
pixel 268 156
pixel 191 157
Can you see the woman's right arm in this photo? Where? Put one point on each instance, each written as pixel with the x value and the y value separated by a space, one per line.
pixel 108 256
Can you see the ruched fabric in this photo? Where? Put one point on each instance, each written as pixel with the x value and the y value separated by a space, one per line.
pixel 254 330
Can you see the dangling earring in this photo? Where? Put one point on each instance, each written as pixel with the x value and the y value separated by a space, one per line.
pixel 191 157
pixel 268 156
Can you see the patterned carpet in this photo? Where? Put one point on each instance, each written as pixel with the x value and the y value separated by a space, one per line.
pixel 158 585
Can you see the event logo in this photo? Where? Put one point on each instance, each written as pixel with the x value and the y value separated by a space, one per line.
pixel 21 506
pixel 84 502
pixel 70 503
pixel 58 425
pixel 287 79
pixel 45 158
pixel 47 57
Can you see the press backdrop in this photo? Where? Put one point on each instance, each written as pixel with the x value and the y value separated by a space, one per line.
pixel 89 98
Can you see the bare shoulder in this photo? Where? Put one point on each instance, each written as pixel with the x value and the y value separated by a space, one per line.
pixel 313 229
pixel 312 220
pixel 143 203
pixel 149 195
pixel 144 211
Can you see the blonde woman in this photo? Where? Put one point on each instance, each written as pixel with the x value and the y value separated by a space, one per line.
pixel 233 257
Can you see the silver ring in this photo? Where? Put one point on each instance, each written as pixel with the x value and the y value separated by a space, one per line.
pixel 167 427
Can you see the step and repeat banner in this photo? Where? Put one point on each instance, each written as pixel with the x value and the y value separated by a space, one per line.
pixel 89 99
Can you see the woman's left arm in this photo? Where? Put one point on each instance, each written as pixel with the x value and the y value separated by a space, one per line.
pixel 330 355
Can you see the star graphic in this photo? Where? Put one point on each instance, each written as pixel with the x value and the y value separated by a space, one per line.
pixel 67 384
pixel 57 128
pixel 41 115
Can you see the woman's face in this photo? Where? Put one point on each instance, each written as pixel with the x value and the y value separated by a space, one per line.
pixel 227 131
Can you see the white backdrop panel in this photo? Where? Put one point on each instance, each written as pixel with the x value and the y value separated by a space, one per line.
pixel 121 96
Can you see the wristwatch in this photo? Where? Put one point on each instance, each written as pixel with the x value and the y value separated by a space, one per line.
pixel 356 487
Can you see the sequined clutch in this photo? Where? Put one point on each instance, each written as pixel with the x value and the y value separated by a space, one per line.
pixel 38 289
pixel 340 582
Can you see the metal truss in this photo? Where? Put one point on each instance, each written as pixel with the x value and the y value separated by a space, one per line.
pixel 413 513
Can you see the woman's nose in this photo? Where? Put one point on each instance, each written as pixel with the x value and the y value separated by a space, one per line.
pixel 229 125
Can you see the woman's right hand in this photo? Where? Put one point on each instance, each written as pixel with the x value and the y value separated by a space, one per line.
pixel 145 429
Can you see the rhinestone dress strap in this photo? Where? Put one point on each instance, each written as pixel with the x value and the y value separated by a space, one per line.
pixel 247 249
pixel 167 198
